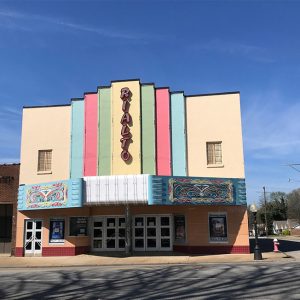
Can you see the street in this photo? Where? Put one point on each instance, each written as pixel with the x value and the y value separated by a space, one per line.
pixel 257 280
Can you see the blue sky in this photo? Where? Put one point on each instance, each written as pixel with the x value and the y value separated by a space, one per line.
pixel 51 51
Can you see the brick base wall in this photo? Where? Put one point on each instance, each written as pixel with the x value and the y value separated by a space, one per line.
pixel 212 249
pixel 57 251
pixel 19 251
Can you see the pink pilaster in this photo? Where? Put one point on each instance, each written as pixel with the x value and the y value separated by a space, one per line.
pixel 91 134
pixel 163 136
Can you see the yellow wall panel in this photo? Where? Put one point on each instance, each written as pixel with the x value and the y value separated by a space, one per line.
pixel 133 165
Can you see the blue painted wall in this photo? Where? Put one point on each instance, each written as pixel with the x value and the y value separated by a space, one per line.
pixel 77 136
pixel 178 134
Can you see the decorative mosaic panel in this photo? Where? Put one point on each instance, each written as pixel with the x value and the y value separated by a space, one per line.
pixel 186 190
pixel 179 190
pixel 45 196
pixel 59 194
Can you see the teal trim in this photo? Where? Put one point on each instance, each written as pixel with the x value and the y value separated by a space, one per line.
pixel 148 130
pixel 51 195
pixel 178 134
pixel 77 137
pixel 104 138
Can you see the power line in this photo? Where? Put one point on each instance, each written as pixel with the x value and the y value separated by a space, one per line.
pixel 293 167
pixel 265 199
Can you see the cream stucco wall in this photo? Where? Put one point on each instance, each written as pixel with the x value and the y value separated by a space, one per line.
pixel 45 128
pixel 215 118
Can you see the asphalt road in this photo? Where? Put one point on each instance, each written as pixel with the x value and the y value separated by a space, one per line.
pixel 255 280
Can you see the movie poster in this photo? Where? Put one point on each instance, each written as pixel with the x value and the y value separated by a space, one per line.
pixel 57 231
pixel 179 228
pixel 218 228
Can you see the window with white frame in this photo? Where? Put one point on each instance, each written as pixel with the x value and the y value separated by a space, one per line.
pixel 44 160
pixel 214 153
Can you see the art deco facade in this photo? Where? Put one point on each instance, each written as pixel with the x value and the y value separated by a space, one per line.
pixel 133 167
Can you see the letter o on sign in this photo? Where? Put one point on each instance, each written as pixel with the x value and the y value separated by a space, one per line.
pixel 125 155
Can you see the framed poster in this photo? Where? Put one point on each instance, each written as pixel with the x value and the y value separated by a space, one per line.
pixel 78 226
pixel 218 228
pixel 179 228
pixel 57 231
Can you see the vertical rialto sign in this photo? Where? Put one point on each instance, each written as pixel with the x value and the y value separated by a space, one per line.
pixel 126 121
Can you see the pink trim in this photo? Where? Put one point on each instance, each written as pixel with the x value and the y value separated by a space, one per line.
pixel 163 136
pixel 91 134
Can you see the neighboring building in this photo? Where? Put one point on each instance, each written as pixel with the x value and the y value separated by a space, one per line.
pixel 133 167
pixel 9 183
pixel 290 225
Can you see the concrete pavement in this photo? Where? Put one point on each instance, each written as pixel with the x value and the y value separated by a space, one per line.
pixel 136 259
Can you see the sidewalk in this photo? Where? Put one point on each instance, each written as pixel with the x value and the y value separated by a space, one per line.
pixel 97 260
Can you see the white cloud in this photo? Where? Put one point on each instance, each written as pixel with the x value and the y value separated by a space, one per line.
pixel 10 114
pixel 271 128
pixel 15 20
pixel 234 48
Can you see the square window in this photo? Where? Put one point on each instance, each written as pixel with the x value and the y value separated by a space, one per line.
pixel 97 243
pixel 44 160
pixel 214 153
pixel 78 226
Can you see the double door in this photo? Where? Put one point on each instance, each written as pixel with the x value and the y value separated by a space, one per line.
pixel 152 233
pixel 108 233
pixel 33 237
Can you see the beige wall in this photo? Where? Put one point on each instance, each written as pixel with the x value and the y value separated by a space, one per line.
pixel 45 128
pixel 215 118
pixel 45 216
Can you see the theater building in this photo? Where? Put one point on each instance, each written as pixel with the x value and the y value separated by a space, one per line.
pixel 133 167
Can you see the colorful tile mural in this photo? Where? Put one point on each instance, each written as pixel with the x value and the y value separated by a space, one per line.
pixel 160 190
pixel 46 196
pixel 186 190
pixel 59 194
pixel 176 190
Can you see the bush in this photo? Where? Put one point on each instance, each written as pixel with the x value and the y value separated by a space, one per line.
pixel 286 232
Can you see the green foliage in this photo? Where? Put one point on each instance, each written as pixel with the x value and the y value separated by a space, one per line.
pixel 278 207
pixel 275 209
pixel 286 232
pixel 293 200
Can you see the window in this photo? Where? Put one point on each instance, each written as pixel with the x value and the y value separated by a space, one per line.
pixel 78 226
pixel 218 228
pixel 214 153
pixel 44 160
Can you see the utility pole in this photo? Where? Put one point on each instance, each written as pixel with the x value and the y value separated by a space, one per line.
pixel 266 221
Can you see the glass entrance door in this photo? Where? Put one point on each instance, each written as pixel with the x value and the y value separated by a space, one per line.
pixel 109 233
pixel 33 237
pixel 152 233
